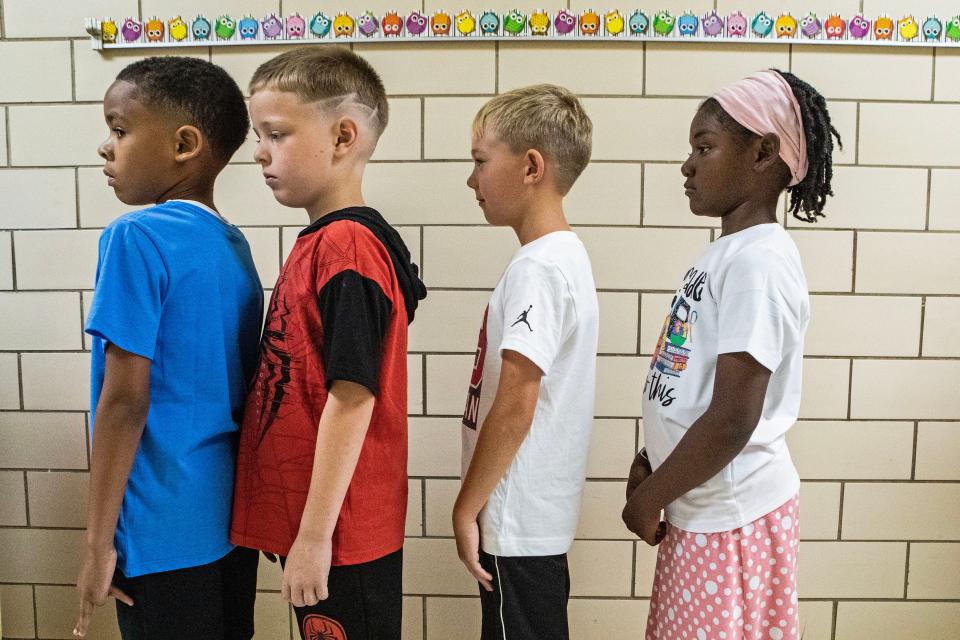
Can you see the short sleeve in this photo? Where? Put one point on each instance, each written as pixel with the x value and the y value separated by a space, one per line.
pixel 355 313
pixel 536 307
pixel 128 295
pixel 754 314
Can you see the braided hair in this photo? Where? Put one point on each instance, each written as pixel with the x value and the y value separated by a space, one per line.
pixel 808 197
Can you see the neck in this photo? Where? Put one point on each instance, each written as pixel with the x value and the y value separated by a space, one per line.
pixel 341 199
pixel 748 214
pixel 202 193
pixel 543 217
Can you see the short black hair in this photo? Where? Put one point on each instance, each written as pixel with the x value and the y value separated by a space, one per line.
pixel 200 92
pixel 810 194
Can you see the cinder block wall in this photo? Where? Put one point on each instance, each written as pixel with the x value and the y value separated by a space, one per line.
pixel 878 441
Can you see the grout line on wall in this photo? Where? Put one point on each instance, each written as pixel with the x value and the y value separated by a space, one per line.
pixel 639 321
pixel 923 320
pixel 36 616
pixel 26 497
pixel 933 76
pixel 906 573
pixel 423 506
pixel 423 128
pixel 633 570
pixel 6 124
pixel 913 459
pixel 926 225
pixel 843 489
pixel 833 624
pixel 73 71
pixel 423 616
pixel 856 139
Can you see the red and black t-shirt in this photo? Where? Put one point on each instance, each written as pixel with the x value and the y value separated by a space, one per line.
pixel 339 311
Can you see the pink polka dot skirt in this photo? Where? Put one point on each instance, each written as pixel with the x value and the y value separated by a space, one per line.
pixel 731 585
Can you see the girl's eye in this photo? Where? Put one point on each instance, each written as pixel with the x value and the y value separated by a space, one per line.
pixel 119 132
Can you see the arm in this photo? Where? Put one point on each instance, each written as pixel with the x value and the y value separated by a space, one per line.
pixel 710 444
pixel 343 427
pixel 120 420
pixel 500 437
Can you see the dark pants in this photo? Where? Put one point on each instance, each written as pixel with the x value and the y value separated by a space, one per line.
pixel 529 598
pixel 210 602
pixel 365 602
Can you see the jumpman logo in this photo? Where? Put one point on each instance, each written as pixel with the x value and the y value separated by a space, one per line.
pixel 523 318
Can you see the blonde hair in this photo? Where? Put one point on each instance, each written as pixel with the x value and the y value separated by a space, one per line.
pixel 333 77
pixel 544 117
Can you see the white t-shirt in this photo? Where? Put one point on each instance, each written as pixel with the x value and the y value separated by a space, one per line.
pixel 747 293
pixel 545 308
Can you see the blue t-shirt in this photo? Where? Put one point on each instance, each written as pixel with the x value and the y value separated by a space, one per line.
pixel 177 285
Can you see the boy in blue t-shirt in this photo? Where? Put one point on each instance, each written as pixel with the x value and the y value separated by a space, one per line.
pixel 175 324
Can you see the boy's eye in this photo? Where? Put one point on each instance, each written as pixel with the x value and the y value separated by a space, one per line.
pixel 119 132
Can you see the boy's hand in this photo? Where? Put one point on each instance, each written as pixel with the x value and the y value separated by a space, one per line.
pixel 306 571
pixel 639 471
pixel 643 521
pixel 467 532
pixel 95 585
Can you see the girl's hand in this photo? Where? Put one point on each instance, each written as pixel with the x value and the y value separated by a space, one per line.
pixel 643 521
pixel 639 471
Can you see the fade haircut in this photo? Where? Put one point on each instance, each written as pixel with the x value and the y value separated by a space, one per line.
pixel 335 78
pixel 198 92
pixel 544 117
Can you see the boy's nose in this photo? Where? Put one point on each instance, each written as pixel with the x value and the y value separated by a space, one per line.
pixel 686 169
pixel 103 149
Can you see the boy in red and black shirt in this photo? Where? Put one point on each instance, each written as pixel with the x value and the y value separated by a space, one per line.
pixel 321 471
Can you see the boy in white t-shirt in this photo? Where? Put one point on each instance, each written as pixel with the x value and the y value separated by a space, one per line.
pixel 526 427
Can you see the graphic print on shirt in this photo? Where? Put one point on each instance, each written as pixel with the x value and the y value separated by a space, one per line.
pixel 675 344
pixel 276 359
pixel 472 410
pixel 523 318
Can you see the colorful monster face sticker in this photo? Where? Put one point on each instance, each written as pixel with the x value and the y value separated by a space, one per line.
pixel 108 31
pixel 639 23
pixel 736 25
pixel 178 29
pixel 465 23
pixel 367 24
pixel 320 24
pixel 687 24
pixel 908 28
pixel 131 30
pixel 614 23
pixel 248 27
pixel 539 23
pixel 883 28
pixel 785 26
pixel 514 22
pixel 834 27
pixel 392 24
pixel 589 23
pixel 296 26
pixel 154 30
pixel 953 29
pixel 271 25
pixel 200 28
pixel 859 27
pixel 440 24
pixel 416 23
pixel 932 29
pixel 762 24
pixel 343 26
pixel 225 27
pixel 489 23
pixel 663 23
pixel 810 25
pixel 564 22
pixel 712 24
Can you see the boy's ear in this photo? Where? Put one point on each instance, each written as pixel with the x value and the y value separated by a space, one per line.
pixel 190 143
pixel 347 133
pixel 534 167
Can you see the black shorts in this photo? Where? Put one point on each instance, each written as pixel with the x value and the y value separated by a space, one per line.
pixel 365 602
pixel 208 602
pixel 529 598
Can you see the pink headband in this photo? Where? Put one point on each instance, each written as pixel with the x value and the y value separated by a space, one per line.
pixel 764 103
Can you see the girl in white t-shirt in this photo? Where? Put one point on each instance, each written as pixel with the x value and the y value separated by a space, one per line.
pixel 724 383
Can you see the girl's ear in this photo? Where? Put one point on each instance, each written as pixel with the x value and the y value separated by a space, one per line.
pixel 768 152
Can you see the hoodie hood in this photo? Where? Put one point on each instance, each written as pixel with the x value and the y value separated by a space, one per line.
pixel 408 274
